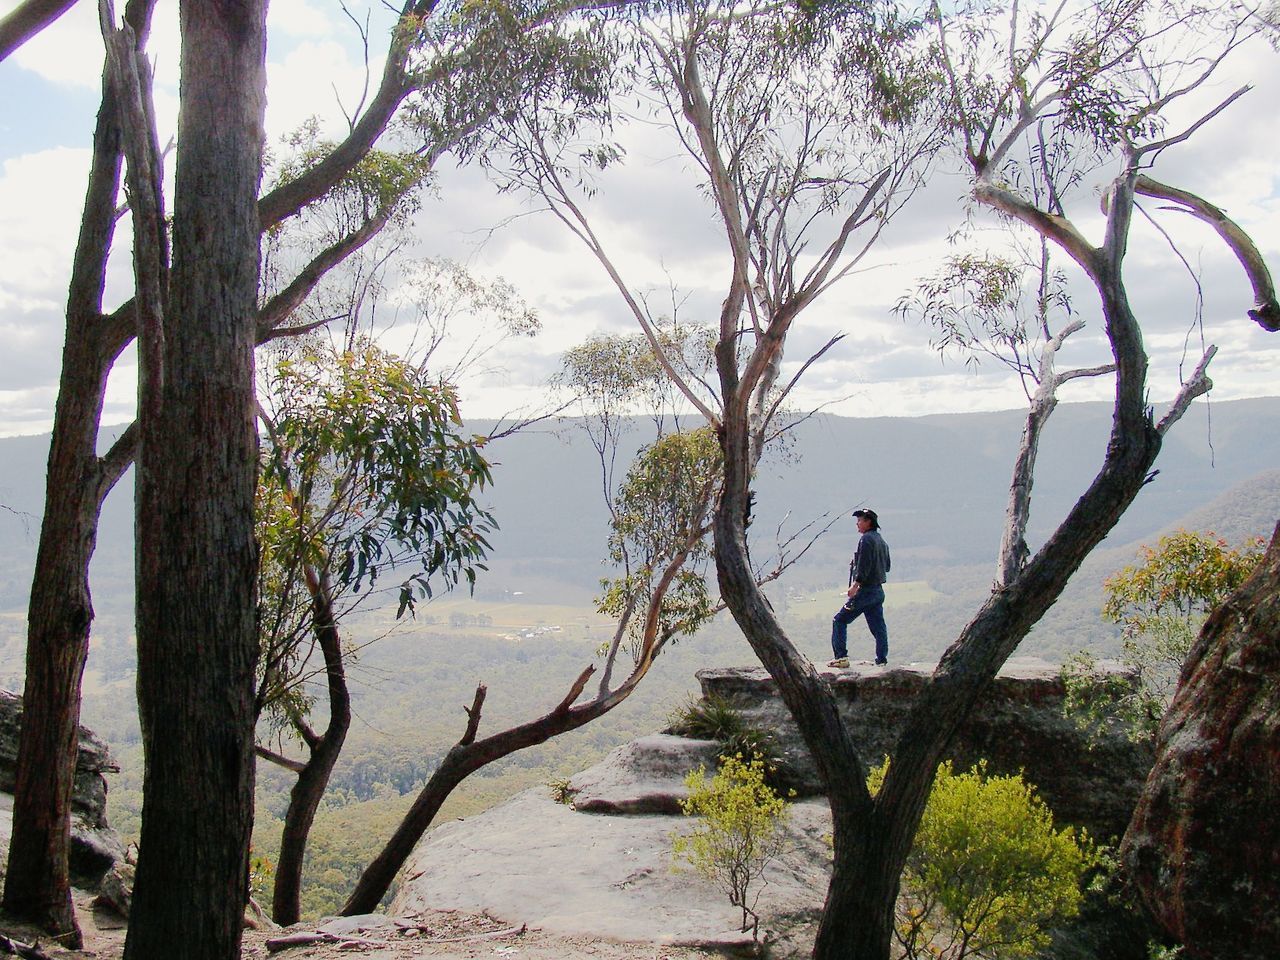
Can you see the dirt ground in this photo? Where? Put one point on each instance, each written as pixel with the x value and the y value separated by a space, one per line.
pixel 443 935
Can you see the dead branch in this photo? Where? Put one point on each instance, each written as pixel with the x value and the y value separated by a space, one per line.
pixel 1198 385
pixel 576 690
pixel 279 759
pixel 277 944
pixel 473 716
pixel 490 935
pixel 17 948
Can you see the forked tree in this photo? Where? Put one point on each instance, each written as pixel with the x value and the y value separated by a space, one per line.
pixel 1102 78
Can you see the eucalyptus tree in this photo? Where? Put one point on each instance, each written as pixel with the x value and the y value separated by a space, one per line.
pixel 659 547
pixel 658 544
pixel 808 128
pixel 367 473
pixel 1101 80
pixel 461 64
pixel 747 91
pixel 196 318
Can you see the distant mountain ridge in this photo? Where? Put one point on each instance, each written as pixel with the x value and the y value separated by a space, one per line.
pixel 939 483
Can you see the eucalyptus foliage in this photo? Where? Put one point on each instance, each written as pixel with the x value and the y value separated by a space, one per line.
pixel 660 516
pixel 1160 604
pixel 367 473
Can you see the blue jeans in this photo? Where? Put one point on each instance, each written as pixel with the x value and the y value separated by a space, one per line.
pixel 869 601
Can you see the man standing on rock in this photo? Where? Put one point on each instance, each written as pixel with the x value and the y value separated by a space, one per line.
pixel 867 574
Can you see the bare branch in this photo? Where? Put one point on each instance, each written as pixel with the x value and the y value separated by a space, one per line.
pixel 279 333
pixel 1198 385
pixel 282 305
pixel 575 691
pixel 280 760
pixel 26 20
pixel 473 716
pixel 1186 134
pixel 782 394
pixel 1058 229
pixel 1266 309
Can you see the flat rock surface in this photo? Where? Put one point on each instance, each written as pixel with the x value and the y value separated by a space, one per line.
pixel 535 861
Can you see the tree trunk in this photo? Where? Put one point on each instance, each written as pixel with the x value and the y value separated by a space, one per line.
pixel 37 885
pixel 197 468
pixel 465 758
pixel 304 798
pixel 846 919
pixel 60 612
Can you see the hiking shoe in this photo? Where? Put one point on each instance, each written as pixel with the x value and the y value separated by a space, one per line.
pixel 840 663
pixel 882 663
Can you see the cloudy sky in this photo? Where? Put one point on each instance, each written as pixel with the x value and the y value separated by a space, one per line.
pixel 656 224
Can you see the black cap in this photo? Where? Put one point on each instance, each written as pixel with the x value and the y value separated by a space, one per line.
pixel 868 515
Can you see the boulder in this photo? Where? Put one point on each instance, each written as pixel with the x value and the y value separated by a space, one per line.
pixel 644 776
pixel 94 845
pixel 1089 781
pixel 89 792
pixel 1204 845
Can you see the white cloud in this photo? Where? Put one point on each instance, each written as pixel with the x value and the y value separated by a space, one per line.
pixel 661 229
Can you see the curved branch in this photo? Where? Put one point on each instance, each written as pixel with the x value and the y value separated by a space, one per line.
pixel 288 198
pixel 1058 229
pixel 1266 309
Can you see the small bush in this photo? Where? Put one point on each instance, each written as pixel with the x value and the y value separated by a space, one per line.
pixel 707 718
pixel 741 832
pixel 988 872
pixel 715 718
pixel 561 791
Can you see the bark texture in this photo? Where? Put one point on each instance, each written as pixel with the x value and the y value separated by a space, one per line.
pixel 1203 847
pixel 197 470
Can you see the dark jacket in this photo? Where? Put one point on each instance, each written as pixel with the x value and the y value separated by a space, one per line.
pixel 870 565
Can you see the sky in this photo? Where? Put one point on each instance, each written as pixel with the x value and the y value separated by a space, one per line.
pixel 657 225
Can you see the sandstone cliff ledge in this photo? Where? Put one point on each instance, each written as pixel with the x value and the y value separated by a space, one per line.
pixel 602 866
pixel 1020 725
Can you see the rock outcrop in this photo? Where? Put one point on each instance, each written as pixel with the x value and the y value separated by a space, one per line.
pixel 1204 845
pixel 1088 781
pixel 94 845
pixel 575 870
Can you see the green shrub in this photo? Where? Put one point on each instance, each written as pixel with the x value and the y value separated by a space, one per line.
pixel 715 718
pixel 707 718
pixel 561 791
pixel 988 872
pixel 1161 604
pixel 740 833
